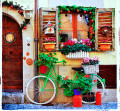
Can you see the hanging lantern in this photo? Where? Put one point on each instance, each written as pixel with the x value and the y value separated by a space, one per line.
pixel 49 28
pixel 28 13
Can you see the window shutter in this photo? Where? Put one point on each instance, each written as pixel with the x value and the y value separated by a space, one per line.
pixel 46 15
pixel 105 17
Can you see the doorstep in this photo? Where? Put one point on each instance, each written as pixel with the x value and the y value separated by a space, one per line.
pixel 12 98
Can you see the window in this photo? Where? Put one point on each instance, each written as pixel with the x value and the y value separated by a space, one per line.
pixel 77 22
pixel 10 37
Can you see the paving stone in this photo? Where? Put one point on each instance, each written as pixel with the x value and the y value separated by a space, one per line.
pixel 103 107
pixel 12 98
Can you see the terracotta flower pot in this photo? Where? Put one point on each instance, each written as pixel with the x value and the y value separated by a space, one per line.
pixel 49 46
pixel 105 46
pixel 43 69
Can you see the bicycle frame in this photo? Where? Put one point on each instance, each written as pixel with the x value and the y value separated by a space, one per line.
pixel 54 77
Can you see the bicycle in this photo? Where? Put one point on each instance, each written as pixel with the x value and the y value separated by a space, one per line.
pixel 47 87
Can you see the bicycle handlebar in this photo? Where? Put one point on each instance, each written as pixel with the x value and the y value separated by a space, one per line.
pixel 61 62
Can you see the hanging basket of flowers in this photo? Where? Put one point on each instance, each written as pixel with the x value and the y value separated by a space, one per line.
pixel 49 44
pixel 90 65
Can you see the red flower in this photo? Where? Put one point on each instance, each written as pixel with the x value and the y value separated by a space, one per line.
pixel 86 76
pixel 11 6
pixel 64 43
pixel 66 78
pixel 77 10
pixel 20 11
pixel 92 20
pixel 85 11
pixel 60 32
pixel 90 12
pixel 61 11
pixel 24 27
pixel 95 80
pixel 68 11
pixel 93 33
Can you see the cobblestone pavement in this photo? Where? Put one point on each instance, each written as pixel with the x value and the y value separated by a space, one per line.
pixel 103 107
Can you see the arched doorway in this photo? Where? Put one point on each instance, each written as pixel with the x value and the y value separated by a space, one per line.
pixel 12 53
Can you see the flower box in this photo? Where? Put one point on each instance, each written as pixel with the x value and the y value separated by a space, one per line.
pixel 77 55
pixel 49 46
pixel 105 46
pixel 90 69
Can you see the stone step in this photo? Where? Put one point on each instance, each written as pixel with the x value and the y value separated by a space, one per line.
pixel 12 98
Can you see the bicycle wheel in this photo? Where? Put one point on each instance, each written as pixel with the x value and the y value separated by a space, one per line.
pixel 99 86
pixel 34 91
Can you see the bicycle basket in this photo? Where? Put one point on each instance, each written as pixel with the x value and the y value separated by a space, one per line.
pixel 90 69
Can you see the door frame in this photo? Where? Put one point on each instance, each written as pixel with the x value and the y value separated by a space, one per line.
pixel 28 70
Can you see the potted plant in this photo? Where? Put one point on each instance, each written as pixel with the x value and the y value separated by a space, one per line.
pixel 84 86
pixel 66 84
pixel 73 48
pixel 105 45
pixel 45 60
pixel 81 85
pixel 49 44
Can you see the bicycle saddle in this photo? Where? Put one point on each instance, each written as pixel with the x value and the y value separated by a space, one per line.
pixel 78 69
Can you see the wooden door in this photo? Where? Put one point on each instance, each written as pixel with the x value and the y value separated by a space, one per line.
pixel 12 63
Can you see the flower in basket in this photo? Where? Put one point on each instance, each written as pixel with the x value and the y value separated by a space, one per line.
pixel 90 61
pixel 50 40
pixel 74 46
pixel 105 40
pixel 86 42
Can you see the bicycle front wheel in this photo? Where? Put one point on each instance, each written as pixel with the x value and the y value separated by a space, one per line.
pixel 39 93
pixel 98 86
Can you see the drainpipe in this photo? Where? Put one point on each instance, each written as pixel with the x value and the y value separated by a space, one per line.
pixel 36 46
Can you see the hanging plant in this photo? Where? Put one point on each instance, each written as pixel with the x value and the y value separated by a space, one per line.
pixel 10 4
pixel 79 9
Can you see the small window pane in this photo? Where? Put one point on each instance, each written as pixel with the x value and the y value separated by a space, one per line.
pixel 67 25
pixel 9 37
pixel 82 27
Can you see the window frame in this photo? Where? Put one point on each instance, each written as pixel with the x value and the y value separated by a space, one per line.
pixel 69 10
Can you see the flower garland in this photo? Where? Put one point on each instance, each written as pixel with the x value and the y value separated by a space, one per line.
pixel 82 10
pixel 20 11
pixel 23 26
pixel 10 4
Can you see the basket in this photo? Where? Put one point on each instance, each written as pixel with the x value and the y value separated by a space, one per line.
pixel 89 97
pixel 90 69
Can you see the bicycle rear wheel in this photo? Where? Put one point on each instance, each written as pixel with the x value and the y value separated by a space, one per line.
pixel 34 91
pixel 99 86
